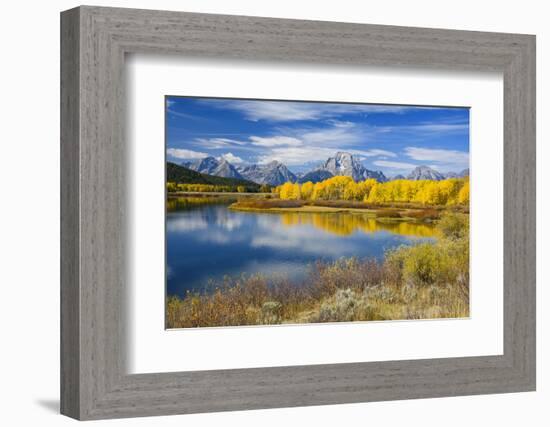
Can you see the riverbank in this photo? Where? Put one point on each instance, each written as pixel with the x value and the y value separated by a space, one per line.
pixel 380 212
pixel 423 281
pixel 173 194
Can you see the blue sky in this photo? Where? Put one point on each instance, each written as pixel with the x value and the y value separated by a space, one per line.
pixel 302 135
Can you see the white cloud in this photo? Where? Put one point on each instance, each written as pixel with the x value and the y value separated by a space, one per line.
pixel 394 165
pixel 186 223
pixel 219 142
pixel 437 155
pixel 377 152
pixel 341 124
pixel 274 141
pixel 337 134
pixel 170 110
pixel 440 159
pixel 181 153
pixel 340 135
pixel 441 127
pixel 280 111
pixel 231 158
pixel 426 129
pixel 293 156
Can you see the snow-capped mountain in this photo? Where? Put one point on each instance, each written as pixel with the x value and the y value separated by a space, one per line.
pixel 425 172
pixel 276 173
pixel 213 166
pixel 344 164
pixel 227 170
pixel 272 173
pixel 205 165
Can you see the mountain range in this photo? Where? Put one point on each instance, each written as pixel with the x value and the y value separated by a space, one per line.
pixel 276 173
pixel 426 172
pixel 181 174
pixel 272 173
pixel 213 166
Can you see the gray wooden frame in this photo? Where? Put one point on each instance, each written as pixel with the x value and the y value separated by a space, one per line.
pixel 94 41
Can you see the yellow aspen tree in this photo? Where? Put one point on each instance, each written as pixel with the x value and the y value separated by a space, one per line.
pixel 350 191
pixel 319 192
pixel 365 188
pixel 464 194
pixel 307 190
pixel 286 191
pixel 296 193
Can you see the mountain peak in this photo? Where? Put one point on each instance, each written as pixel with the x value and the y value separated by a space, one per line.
pixel 344 164
pixel 272 173
pixel 212 166
pixel 425 172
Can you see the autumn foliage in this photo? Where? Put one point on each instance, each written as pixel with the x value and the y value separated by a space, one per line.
pixel 449 192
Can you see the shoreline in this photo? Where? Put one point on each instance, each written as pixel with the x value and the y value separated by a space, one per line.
pixel 370 213
pixel 175 194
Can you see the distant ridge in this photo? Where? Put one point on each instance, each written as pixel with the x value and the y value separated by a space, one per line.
pixel 396 177
pixel 315 176
pixel 212 166
pixel 425 172
pixel 273 173
pixel 181 174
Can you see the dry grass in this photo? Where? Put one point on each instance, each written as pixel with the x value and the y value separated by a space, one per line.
pixel 429 214
pixel 346 290
pixel 255 203
pixel 388 213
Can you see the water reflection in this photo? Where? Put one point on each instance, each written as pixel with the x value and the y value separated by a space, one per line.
pixel 206 241
pixel 345 224
pixel 182 203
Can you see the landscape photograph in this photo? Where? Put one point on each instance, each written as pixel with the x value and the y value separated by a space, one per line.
pixel 296 212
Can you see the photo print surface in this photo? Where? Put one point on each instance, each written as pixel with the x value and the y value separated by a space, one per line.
pixel 295 212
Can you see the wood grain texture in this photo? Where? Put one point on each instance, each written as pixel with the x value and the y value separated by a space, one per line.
pixel 70 297
pixel 94 381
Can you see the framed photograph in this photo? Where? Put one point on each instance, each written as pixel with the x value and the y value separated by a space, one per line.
pixel 262 213
pixel 312 212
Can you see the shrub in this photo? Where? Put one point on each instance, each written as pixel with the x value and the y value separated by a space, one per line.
pixel 454 225
pixel 344 306
pixel 424 264
pixel 423 214
pixel 271 313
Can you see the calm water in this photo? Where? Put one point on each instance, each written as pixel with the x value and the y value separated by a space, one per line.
pixel 206 241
